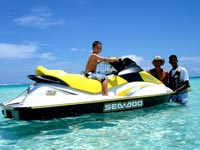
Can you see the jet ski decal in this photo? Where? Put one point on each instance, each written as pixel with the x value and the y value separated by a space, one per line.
pixel 118 106
pixel 131 91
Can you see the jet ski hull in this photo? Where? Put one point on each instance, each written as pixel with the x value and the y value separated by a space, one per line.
pixel 69 110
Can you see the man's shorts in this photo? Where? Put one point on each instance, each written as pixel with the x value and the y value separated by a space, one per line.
pixel 95 76
pixel 180 98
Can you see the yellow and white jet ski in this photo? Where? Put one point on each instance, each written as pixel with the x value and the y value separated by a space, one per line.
pixel 57 94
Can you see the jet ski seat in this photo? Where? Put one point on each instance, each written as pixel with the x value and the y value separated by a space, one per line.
pixel 78 81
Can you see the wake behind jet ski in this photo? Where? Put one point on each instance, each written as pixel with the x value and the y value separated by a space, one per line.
pixel 57 94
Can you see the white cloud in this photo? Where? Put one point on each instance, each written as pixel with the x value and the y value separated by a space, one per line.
pixel 22 51
pixel 39 17
pixel 74 49
pixel 17 51
pixel 47 56
pixel 79 50
pixel 196 69
pixel 190 60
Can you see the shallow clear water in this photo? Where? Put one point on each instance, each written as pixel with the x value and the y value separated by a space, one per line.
pixel 169 126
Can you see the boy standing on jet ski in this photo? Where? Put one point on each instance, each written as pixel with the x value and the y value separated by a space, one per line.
pixel 94 59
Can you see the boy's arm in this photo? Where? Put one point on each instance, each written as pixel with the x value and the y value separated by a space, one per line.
pixel 104 59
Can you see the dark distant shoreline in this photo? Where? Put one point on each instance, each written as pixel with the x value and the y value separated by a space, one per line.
pixel 195 77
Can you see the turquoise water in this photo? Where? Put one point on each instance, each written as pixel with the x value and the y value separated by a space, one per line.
pixel 169 126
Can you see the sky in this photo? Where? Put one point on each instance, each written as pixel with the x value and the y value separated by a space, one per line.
pixel 59 34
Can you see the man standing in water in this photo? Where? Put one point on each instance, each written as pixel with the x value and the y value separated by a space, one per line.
pixel 159 72
pixel 178 81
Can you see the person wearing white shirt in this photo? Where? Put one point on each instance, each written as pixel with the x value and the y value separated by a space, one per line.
pixel 178 81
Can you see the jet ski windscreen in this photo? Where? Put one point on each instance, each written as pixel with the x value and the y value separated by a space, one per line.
pixel 126 65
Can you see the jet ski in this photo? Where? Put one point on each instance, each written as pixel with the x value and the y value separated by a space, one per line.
pixel 57 94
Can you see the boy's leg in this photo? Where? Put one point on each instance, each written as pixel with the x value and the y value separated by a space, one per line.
pixel 102 78
pixel 105 87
